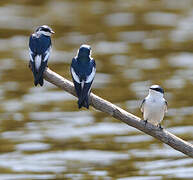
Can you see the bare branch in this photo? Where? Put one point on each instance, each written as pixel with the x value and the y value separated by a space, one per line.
pixel 120 114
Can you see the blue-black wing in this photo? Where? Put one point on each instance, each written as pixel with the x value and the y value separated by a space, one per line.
pixel 75 76
pixel 86 87
pixel 33 54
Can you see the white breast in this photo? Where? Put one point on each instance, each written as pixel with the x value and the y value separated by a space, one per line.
pixel 91 76
pixel 154 110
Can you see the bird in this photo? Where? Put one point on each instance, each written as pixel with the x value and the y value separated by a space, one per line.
pixel 83 70
pixel 154 106
pixel 39 52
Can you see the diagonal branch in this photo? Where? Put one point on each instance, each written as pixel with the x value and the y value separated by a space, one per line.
pixel 120 114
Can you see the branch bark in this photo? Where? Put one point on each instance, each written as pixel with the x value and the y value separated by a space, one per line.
pixel 120 114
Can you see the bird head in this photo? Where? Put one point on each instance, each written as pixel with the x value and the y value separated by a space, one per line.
pixel 45 30
pixel 156 89
pixel 84 51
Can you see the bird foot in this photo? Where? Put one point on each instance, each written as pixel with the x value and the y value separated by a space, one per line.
pixel 30 66
pixel 145 121
pixel 160 127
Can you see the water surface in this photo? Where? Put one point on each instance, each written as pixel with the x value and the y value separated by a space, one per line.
pixel 135 44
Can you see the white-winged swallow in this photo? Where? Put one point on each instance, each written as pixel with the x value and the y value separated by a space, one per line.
pixel 154 106
pixel 83 69
pixel 39 51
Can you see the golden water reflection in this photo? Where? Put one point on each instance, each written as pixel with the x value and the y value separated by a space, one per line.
pixel 135 44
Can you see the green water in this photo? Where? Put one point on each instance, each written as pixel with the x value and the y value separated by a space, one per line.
pixel 136 43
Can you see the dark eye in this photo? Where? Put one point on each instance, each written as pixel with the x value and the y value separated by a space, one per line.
pixel 46 30
pixel 158 89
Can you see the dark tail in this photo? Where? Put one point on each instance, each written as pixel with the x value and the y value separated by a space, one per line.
pixel 41 73
pixel 38 79
pixel 83 99
pixel 41 81
pixel 83 102
pixel 36 82
pixel 86 102
pixel 38 76
pixel 35 74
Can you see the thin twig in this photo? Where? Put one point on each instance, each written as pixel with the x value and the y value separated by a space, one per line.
pixel 120 114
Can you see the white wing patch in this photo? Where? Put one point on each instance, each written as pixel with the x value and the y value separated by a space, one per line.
pixel 91 76
pixel 38 60
pixel 30 55
pixel 74 75
pixel 47 54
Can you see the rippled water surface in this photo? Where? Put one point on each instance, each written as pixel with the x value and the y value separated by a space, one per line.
pixel 135 43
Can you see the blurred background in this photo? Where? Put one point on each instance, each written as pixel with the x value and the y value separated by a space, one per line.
pixel 136 43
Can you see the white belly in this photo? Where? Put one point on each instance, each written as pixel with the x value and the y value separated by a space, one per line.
pixel 38 60
pixel 154 112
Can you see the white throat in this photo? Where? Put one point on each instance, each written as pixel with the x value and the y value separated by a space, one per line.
pixel 155 94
